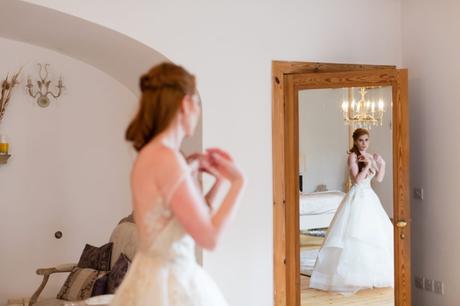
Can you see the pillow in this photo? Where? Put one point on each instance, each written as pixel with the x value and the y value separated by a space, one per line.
pixel 79 284
pixel 96 258
pixel 100 286
pixel 116 275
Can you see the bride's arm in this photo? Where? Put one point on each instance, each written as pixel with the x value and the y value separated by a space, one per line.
pixel 193 161
pixel 188 204
pixel 354 169
pixel 381 167
pixel 211 195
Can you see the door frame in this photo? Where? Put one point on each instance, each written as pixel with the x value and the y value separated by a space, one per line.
pixel 287 79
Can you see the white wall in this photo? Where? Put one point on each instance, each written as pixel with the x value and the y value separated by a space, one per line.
pixel 69 169
pixel 230 46
pixel 431 50
pixel 120 56
pixel 323 139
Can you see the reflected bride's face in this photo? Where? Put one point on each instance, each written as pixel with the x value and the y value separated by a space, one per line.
pixel 362 142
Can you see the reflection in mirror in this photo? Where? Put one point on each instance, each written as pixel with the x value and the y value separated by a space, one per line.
pixel 346 198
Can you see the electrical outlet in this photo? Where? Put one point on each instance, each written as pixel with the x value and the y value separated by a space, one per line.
pixel 418 193
pixel 428 284
pixel 438 287
pixel 419 280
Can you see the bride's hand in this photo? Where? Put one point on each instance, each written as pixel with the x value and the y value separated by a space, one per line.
pixel 364 159
pixel 190 159
pixel 379 160
pixel 195 162
pixel 199 162
pixel 221 164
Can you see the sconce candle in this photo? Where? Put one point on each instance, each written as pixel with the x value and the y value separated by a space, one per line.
pixel 3 145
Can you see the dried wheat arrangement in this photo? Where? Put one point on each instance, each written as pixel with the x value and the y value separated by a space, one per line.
pixel 7 86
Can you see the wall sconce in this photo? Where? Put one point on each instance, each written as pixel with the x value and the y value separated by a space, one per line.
pixel 43 85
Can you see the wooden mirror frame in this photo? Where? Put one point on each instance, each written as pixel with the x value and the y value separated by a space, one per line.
pixel 287 79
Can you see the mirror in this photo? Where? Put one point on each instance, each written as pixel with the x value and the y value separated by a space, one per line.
pixel 345 213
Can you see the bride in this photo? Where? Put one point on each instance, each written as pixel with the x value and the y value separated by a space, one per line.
pixel 357 252
pixel 170 212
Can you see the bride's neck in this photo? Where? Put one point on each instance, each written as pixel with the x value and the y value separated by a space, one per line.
pixel 172 137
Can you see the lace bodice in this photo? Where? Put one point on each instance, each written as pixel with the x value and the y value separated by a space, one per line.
pixel 165 236
pixel 164 271
pixel 372 173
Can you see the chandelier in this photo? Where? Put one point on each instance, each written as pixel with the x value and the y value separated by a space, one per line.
pixel 364 113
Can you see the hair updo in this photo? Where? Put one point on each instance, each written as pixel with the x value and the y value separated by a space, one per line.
pixel 163 89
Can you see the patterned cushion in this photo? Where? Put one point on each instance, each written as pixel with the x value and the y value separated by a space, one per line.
pixel 96 258
pixel 117 273
pixel 79 284
pixel 124 238
pixel 100 286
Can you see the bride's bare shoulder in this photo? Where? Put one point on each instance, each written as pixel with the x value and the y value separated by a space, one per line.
pixel 156 159
pixel 352 156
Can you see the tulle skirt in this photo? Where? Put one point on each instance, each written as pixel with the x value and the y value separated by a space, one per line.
pixel 358 250
pixel 159 281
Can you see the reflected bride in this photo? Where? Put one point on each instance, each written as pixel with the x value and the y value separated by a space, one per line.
pixel 358 250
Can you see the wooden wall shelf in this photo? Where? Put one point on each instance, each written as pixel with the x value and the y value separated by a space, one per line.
pixel 4 158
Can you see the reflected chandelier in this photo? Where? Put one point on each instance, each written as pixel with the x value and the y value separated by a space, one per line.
pixel 364 113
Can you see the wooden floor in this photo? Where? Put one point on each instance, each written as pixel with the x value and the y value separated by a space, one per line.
pixel 369 297
pixel 309 297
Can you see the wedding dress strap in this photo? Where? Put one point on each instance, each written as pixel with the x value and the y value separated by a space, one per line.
pixel 176 185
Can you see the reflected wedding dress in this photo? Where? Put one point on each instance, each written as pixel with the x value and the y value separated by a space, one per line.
pixel 357 252
pixel 164 271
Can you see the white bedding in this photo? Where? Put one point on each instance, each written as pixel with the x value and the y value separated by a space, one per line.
pixel 317 203
pixel 308 260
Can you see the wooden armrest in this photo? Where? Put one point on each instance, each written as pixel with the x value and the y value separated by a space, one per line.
pixel 57 269
pixel 46 272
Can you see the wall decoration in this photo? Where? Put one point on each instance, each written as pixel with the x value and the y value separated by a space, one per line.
pixel 43 87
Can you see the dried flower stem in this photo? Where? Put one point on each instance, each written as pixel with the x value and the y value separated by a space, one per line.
pixel 7 89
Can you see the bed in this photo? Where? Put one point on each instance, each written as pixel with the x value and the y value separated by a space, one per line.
pixel 316 209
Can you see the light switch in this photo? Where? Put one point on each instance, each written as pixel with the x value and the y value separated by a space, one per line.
pixel 438 287
pixel 428 284
pixel 418 193
pixel 419 280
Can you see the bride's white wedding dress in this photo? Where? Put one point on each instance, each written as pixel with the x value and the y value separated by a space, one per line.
pixel 357 252
pixel 164 271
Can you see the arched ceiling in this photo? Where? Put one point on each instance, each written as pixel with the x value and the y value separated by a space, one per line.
pixel 118 55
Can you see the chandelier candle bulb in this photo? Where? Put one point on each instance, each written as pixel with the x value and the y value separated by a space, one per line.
pixel 345 106
pixel 381 105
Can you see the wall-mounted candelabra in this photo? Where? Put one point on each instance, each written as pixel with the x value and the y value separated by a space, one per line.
pixel 43 87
